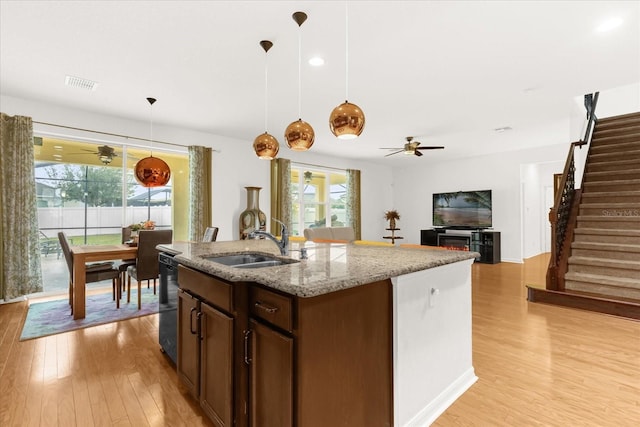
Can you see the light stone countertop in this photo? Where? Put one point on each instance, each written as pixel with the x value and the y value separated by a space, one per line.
pixel 330 267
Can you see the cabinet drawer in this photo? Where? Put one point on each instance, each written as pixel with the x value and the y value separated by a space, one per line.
pixel 216 291
pixel 272 307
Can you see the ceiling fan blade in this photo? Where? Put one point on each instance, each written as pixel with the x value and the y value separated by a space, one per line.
pixel 391 148
pixel 395 152
pixel 429 148
pixel 417 153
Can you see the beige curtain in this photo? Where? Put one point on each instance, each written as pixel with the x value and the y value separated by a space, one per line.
pixel 280 193
pixel 353 201
pixel 199 191
pixel 20 272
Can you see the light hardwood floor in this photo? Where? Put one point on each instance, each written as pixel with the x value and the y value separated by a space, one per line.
pixel 537 365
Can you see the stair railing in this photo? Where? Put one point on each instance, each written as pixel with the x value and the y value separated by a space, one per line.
pixel 564 212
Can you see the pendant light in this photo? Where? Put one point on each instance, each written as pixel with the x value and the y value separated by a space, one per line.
pixel 299 134
pixel 152 171
pixel 265 145
pixel 347 119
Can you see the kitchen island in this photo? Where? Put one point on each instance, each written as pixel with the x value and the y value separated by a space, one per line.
pixel 357 335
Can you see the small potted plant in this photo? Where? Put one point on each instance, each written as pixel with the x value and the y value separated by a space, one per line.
pixel 392 216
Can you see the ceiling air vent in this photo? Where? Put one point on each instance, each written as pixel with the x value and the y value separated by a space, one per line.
pixel 81 83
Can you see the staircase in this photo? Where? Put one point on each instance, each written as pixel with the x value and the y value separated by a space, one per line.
pixel 605 253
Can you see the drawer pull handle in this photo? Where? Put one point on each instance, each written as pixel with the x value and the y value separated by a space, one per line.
pixel 266 308
pixel 247 358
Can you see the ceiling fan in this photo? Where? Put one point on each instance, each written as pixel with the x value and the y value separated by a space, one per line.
pixel 104 153
pixel 411 147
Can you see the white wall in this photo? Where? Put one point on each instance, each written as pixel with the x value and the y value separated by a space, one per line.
pixel 413 188
pixel 235 166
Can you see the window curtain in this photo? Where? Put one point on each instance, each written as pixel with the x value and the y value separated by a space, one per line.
pixel 20 271
pixel 280 193
pixel 199 191
pixel 353 202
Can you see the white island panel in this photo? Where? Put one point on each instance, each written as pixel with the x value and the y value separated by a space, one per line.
pixel 432 342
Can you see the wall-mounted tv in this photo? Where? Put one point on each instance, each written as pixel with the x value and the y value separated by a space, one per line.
pixel 462 209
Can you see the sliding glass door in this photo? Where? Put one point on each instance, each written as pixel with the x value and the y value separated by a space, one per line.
pixel 88 191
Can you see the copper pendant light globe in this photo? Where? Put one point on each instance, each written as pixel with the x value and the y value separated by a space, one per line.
pixel 152 172
pixel 347 121
pixel 266 146
pixel 299 135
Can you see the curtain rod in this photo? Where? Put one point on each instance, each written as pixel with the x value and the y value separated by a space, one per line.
pixel 110 134
pixel 318 166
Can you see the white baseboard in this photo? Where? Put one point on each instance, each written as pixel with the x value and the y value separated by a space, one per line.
pixel 440 404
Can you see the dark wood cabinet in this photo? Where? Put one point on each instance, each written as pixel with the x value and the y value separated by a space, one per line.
pixel 271 378
pixel 188 365
pixel 206 344
pixel 216 354
pixel 270 359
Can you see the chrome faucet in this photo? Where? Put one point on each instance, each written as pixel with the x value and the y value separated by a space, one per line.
pixel 283 243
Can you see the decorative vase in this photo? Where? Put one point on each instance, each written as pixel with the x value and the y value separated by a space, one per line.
pixel 252 218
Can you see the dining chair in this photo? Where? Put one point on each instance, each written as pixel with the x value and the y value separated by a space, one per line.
pixel 147 265
pixel 96 272
pixel 210 234
pixel 125 263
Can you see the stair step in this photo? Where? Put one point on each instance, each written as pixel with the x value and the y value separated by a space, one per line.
pixel 600 146
pixel 610 209
pixel 613 140
pixel 606 262
pixel 608 157
pixel 611 197
pixel 603 285
pixel 613 165
pixel 623 174
pixel 605 250
pixel 633 127
pixel 609 222
pixel 618 121
pixel 612 185
pixel 599 235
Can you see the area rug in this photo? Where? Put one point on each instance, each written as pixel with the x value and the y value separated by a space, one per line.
pixel 54 317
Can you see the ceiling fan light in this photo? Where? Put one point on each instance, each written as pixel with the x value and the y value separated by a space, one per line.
pixel 299 135
pixel 347 121
pixel 266 146
pixel 105 159
pixel 152 172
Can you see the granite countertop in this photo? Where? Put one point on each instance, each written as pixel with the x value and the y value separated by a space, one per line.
pixel 330 267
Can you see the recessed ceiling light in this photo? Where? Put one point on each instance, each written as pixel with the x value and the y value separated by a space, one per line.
pixel 81 83
pixel 57 147
pixel 502 129
pixel 609 25
pixel 57 156
pixel 316 61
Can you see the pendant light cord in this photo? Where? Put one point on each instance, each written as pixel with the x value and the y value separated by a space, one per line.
pixel 151 101
pixel 346 50
pixel 299 72
pixel 266 91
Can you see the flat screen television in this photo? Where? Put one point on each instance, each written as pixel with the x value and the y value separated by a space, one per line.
pixel 462 209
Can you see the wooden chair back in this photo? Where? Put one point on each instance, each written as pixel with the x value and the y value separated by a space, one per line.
pixel 147 259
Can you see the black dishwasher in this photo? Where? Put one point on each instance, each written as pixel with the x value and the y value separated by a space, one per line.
pixel 168 298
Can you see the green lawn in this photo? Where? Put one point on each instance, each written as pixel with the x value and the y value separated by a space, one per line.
pixel 99 239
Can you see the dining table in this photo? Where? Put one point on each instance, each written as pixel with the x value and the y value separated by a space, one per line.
pixel 83 254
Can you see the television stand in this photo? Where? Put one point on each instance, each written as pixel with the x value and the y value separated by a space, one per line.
pixel 486 243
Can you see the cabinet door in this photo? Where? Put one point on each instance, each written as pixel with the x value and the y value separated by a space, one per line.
pixel 271 381
pixel 188 365
pixel 216 387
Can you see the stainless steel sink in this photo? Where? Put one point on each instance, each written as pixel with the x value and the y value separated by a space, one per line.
pixel 249 260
